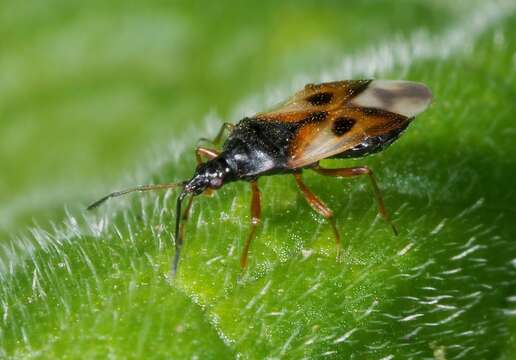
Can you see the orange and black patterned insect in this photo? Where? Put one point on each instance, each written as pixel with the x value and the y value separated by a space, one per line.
pixel 342 119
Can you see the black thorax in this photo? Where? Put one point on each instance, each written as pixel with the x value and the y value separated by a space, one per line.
pixel 257 147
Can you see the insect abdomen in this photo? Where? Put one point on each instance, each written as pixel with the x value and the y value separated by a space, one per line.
pixel 373 144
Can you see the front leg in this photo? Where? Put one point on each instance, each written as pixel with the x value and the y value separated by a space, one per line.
pixel 226 127
pixel 210 154
pixel 202 151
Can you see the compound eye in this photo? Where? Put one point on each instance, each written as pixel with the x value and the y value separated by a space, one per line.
pixel 215 182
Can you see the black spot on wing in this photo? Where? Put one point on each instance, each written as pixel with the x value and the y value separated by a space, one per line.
pixel 321 98
pixel 342 125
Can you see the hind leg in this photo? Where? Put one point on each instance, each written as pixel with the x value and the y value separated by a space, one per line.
pixel 358 171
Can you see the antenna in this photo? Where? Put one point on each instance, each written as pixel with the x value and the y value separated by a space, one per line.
pixel 141 188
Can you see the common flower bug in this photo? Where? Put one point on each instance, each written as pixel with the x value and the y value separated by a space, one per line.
pixel 343 119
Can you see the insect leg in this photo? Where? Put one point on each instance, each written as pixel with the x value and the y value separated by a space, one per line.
pixel 199 152
pixel 210 154
pixel 357 171
pixel 225 127
pixel 321 208
pixel 202 151
pixel 255 221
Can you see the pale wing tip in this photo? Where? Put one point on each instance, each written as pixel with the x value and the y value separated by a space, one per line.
pixel 402 97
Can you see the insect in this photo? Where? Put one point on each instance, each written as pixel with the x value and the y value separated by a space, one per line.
pixel 342 119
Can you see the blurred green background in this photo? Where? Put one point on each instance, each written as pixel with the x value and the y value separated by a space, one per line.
pixel 90 90
pixel 97 95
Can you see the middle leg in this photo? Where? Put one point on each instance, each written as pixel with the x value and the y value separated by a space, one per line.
pixel 255 221
pixel 321 208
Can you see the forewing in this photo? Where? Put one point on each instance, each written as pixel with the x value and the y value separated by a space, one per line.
pixel 380 108
pixel 315 98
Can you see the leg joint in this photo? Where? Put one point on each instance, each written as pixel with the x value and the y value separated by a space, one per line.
pixel 363 170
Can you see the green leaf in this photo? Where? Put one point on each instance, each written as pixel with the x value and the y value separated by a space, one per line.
pixel 97 285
